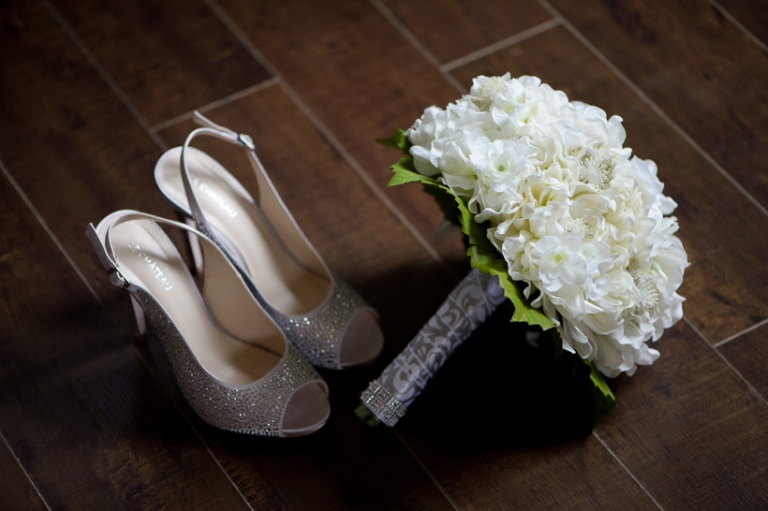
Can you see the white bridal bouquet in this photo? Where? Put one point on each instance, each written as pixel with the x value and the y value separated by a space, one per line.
pixel 575 228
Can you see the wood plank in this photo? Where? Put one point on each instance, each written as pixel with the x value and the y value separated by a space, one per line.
pixel 719 229
pixel 16 490
pixel 710 451
pixel 690 431
pixel 452 29
pixel 749 355
pixel 503 425
pixel 188 58
pixel 360 77
pixel 69 142
pixel 702 70
pixel 344 466
pixel 749 15
pixel 77 400
pixel 78 407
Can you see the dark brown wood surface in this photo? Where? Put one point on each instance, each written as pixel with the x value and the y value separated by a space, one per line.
pixel 17 491
pixel 92 93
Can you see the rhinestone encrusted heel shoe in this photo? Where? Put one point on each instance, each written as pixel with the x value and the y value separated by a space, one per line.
pixel 231 361
pixel 326 319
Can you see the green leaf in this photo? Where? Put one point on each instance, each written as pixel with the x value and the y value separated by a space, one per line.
pixel 368 417
pixel 486 261
pixel 483 255
pixel 466 219
pixel 493 264
pixel 446 200
pixel 398 141
pixel 599 382
pixel 404 172
pixel 604 398
pixel 524 313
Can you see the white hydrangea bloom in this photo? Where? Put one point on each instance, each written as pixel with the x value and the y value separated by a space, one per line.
pixel 578 219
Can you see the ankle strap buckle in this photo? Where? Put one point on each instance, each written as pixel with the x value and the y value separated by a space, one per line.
pixel 238 138
pixel 246 141
pixel 117 278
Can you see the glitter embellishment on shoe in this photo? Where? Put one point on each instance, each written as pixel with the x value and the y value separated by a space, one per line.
pixel 326 319
pixel 230 360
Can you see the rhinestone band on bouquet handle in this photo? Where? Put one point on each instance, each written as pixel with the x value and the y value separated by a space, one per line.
pixel 559 218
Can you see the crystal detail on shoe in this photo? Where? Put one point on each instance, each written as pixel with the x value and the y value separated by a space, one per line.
pixel 379 400
pixel 257 408
pixel 318 334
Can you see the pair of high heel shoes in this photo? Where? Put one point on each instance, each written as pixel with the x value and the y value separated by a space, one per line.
pixel 242 348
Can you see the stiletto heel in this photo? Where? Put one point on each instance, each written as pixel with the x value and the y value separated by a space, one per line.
pixel 326 319
pixel 231 361
pixel 191 245
pixel 139 320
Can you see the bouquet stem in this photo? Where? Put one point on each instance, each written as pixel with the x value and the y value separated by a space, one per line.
pixel 470 303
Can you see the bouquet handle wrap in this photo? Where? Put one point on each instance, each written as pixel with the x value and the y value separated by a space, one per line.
pixel 475 298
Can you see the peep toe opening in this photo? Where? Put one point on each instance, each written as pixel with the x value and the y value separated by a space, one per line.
pixel 221 344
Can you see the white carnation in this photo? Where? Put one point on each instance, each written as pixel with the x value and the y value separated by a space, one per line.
pixel 578 219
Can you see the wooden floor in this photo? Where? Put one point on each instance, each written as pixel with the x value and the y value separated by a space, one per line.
pixel 93 92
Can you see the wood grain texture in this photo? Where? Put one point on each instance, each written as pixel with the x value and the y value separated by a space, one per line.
pixel 16 490
pixel 345 466
pixel 751 16
pixel 325 52
pixel 89 158
pixel 749 355
pixel 505 426
pixel 719 228
pixel 187 57
pixel 455 28
pixel 341 215
pixel 83 154
pixel 80 410
pixel 681 54
pixel 690 431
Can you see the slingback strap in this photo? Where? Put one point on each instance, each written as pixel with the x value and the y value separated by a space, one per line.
pixel 239 138
pixel 212 129
pixel 220 132
pixel 106 253
pixel 115 275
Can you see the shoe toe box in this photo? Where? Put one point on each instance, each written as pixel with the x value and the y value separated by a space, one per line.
pixel 362 340
pixel 307 411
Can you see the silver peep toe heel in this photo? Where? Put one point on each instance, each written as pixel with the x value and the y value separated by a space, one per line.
pixel 322 315
pixel 230 360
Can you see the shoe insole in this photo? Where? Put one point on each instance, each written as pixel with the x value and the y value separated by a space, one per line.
pixel 279 267
pixel 148 259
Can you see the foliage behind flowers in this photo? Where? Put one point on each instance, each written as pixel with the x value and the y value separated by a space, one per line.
pixel 552 203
